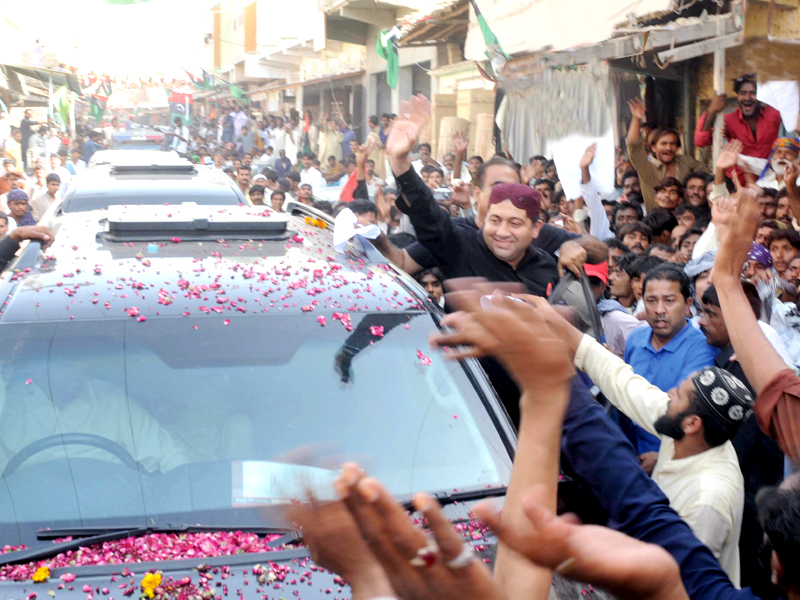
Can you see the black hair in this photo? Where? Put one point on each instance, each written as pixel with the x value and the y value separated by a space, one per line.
pixel 401 239
pixel 623 205
pixel 746 78
pixel 324 205
pixel 243 168
pixel 386 116
pixel 710 296
pixel 692 231
pixel 625 263
pixel 539 158
pixel 663 247
pixel 3 217
pixel 476 157
pixel 493 162
pixel 310 155
pixel 373 119
pixel 256 188
pixel 360 207
pixel 285 185
pixel 634 227
pixel 281 192
pixel 697 211
pixel 660 220
pixel 661 132
pixel 669 182
pixel 293 176
pixel 432 169
pixel 628 174
pixel 546 182
pixel 52 177
pixel 558 196
pixel 270 174
pixel 643 264
pixel 636 199
pixel 779 517
pixel 435 271
pixel 790 235
pixel 424 145
pixel 616 243
pixel 697 175
pixel 669 272
pixel 771 192
pixel 715 431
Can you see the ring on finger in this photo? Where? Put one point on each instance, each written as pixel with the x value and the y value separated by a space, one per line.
pixel 427 556
pixel 464 558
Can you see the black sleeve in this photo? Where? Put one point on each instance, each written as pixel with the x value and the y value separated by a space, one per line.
pixel 433 226
pixel 420 255
pixel 361 193
pixel 8 248
pixel 550 239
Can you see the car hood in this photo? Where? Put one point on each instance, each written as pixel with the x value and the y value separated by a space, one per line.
pixel 288 571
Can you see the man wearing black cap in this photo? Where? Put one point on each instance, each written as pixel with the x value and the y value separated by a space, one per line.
pixel 501 250
pixel 697 467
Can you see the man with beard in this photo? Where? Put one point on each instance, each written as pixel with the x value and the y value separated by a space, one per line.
pixel 755 124
pixel 665 143
pixel 697 467
pixel 784 212
pixel 670 349
pixel 694 189
pixel 636 236
pixel 782 164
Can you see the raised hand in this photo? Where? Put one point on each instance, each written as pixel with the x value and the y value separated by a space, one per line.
pixel 461 194
pixel 626 567
pixel 718 104
pixel 413 116
pixel 588 156
pixel 362 153
pixel 419 566
pixel 511 331
pixel 790 176
pixel 730 155
pixel 637 109
pixel 336 544
pixel 461 142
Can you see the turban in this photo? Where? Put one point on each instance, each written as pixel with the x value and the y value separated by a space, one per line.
pixel 17 194
pixel 760 254
pixel 787 142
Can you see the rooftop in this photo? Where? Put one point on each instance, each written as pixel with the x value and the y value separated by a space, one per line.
pixel 84 277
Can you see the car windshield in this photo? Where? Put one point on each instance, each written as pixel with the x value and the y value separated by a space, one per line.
pixel 155 192
pixel 175 420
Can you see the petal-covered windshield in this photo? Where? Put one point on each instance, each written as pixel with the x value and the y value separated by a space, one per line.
pixel 120 422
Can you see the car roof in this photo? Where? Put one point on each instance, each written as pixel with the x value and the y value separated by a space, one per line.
pixel 86 277
pixel 105 157
pixel 104 185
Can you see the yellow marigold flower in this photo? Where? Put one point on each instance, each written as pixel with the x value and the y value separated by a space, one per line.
pixel 150 582
pixel 41 574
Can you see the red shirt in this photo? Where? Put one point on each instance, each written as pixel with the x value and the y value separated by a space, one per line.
pixel 767 129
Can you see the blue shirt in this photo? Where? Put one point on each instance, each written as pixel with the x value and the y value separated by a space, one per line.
pixel 686 353
pixel 89 148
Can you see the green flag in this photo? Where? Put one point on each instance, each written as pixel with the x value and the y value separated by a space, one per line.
pixel 494 51
pixel 97 107
pixel 386 48
pixel 61 101
pixel 105 88
pixel 239 94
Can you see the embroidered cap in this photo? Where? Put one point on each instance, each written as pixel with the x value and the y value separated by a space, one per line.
pixel 724 394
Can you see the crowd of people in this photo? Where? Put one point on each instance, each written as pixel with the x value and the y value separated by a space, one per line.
pixel 680 423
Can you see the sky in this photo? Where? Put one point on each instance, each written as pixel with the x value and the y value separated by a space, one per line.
pixel 153 38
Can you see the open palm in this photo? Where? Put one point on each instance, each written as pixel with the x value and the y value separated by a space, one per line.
pixel 406 129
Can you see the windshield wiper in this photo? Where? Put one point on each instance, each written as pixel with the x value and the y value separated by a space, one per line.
pixel 87 536
pixel 445 498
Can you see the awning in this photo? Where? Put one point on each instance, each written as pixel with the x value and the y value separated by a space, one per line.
pixel 673 42
pixel 59 78
pixel 445 22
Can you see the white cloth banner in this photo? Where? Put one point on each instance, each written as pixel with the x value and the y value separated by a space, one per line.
pixel 346 226
pixel 783 95
pixel 567 154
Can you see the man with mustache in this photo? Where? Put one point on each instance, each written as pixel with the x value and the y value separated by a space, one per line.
pixel 670 349
pixel 755 124
pixel 782 164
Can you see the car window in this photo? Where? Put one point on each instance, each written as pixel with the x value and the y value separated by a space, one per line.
pixel 222 416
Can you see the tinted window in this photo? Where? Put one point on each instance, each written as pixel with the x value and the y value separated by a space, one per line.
pixel 228 416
